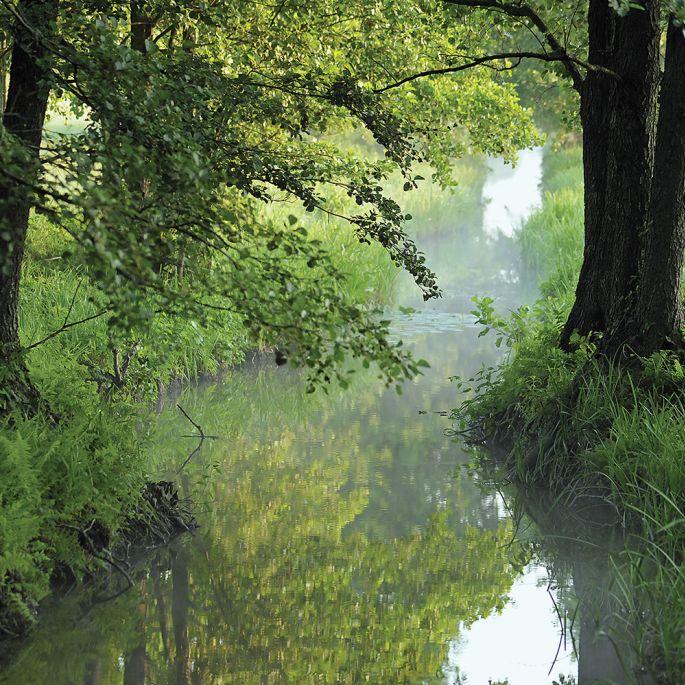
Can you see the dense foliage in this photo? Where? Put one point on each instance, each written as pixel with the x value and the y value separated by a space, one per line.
pixel 149 255
pixel 183 137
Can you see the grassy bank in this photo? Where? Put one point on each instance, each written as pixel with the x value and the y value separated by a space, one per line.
pixel 579 425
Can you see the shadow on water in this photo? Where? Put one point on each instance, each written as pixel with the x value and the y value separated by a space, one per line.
pixel 345 538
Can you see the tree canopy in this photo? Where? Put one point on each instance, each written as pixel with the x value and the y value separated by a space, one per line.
pixel 194 114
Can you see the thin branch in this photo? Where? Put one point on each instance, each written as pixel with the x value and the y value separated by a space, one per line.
pixel 190 456
pixel 195 425
pixel 543 56
pixel 524 11
pixel 65 327
pixel 166 31
pixel 201 435
pixel 277 12
pixel 562 626
pixel 115 365
pixel 71 304
pixel 131 352
pixel 108 559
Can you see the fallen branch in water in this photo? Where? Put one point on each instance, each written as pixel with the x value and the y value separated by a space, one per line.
pixel 200 434
pixel 85 540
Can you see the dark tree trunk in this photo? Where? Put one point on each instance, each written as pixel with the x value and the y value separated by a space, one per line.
pixel 23 117
pixel 618 116
pixel 659 313
pixel 157 571
pixel 135 666
pixel 141 33
pixel 141 27
pixel 135 663
pixel 4 62
pixel 93 674
pixel 588 313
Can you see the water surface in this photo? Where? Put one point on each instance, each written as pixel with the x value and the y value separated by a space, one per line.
pixel 346 538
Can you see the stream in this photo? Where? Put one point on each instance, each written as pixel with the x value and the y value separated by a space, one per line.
pixel 346 537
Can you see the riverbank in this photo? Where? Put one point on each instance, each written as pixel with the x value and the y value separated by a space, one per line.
pixel 582 425
pixel 92 469
pixel 345 538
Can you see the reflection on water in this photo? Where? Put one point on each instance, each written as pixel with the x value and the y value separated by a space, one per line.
pixel 345 540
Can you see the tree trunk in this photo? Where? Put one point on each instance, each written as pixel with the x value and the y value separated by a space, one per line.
pixel 618 116
pixel 588 312
pixel 179 611
pixel 4 61
pixel 659 311
pixel 135 660
pixel 141 27
pixel 23 118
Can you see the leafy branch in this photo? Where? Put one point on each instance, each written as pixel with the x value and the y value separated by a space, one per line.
pixel 522 11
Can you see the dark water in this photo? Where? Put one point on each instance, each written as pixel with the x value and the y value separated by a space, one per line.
pixel 347 539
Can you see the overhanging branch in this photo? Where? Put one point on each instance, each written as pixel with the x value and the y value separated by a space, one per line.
pixel 518 56
pixel 521 10
pixel 469 65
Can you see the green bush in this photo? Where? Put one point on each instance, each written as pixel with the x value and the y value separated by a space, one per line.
pixel 57 480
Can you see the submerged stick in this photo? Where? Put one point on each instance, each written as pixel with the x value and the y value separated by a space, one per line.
pixel 200 434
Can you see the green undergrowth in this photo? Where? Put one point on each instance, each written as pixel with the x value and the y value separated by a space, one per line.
pixel 583 425
pixel 56 482
pixel 551 240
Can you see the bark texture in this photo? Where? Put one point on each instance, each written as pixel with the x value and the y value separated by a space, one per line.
pixel 619 116
pixel 23 118
pixel 659 311
pixel 588 313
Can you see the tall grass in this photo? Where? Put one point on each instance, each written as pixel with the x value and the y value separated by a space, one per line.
pixel 86 473
pixel 551 239
pixel 436 210
pixel 370 275
pixel 171 348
